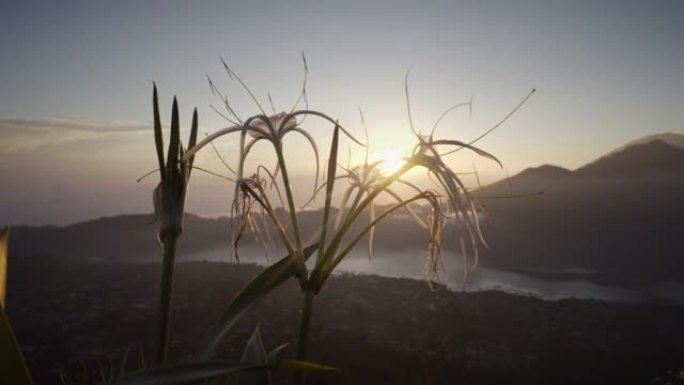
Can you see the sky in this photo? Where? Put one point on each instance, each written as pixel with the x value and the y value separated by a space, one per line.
pixel 76 111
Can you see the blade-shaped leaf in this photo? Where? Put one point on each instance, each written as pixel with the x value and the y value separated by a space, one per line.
pixel 269 279
pixel 174 141
pixel 275 353
pixel 329 186
pixel 254 350
pixel 254 353
pixel 13 367
pixel 305 366
pixel 158 139
pixel 181 374
pixel 4 245
pixel 193 138
pixel 194 372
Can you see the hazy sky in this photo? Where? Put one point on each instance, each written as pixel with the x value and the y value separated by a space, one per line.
pixel 76 76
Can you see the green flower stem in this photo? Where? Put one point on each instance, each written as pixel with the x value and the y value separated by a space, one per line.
pixel 164 322
pixel 325 267
pixel 336 261
pixel 304 327
pixel 299 257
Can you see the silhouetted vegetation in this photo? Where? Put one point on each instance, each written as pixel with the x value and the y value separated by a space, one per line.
pixel 68 315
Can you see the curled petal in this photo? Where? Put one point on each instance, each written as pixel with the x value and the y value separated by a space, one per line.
pixel 193 150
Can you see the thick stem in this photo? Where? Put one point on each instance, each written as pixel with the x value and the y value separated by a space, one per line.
pixel 164 323
pixel 299 257
pixel 304 327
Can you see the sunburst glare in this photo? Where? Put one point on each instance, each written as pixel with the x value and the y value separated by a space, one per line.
pixel 392 160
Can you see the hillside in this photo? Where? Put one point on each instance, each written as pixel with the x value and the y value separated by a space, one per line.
pixel 128 237
pixel 672 138
pixel 114 238
pixel 620 216
pixel 652 157
pixel 70 316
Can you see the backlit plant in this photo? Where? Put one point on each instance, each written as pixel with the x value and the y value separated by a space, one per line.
pixel 446 198
pixel 169 208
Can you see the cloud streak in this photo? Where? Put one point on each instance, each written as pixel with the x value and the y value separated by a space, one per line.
pixel 20 135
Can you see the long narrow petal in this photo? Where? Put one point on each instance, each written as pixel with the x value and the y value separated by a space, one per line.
pixel 326 117
pixel 445 113
pixel 193 150
pixel 468 146
pixel 315 150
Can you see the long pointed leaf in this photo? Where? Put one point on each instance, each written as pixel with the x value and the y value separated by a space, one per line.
pixel 254 353
pixel 4 245
pixel 13 367
pixel 264 283
pixel 158 139
pixel 330 184
pixel 193 138
pixel 194 372
pixel 181 374
pixel 174 141
pixel 275 353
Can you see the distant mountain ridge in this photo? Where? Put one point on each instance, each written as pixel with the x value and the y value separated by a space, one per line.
pixel 655 156
pixel 672 138
pixel 120 237
pixel 621 216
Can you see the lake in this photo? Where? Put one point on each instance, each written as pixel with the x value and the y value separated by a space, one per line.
pixel 408 263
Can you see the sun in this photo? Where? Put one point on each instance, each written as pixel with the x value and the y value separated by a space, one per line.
pixel 392 160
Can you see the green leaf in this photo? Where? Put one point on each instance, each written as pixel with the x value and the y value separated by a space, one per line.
pixel 13 367
pixel 174 141
pixel 193 372
pixel 254 353
pixel 4 245
pixel 193 139
pixel 158 139
pixel 180 374
pixel 269 279
pixel 275 353
pixel 329 186
pixel 254 350
pixel 305 366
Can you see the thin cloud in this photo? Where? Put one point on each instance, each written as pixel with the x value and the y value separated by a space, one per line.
pixel 18 135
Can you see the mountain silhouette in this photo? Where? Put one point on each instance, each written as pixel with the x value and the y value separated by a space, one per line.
pixel 117 238
pixel 672 138
pixel 653 157
pixel 619 217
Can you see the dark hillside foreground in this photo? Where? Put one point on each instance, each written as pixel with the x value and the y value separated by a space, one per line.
pixel 377 330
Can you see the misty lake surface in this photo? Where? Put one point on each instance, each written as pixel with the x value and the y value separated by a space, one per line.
pixel 409 263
